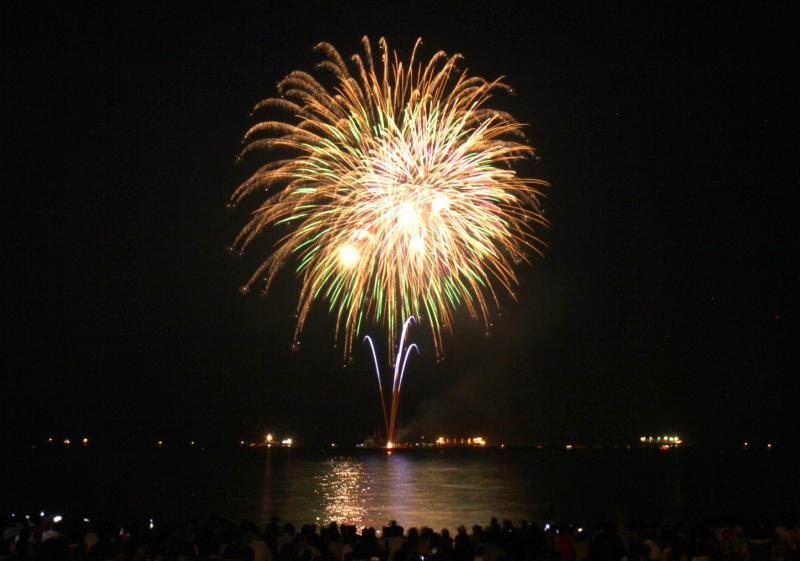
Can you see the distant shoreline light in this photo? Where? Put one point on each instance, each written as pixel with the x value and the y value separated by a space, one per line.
pixel 662 441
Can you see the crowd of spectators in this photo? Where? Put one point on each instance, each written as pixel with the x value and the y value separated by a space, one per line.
pixel 49 538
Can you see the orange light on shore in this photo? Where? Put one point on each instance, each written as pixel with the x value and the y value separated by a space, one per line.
pixel 659 440
pixel 389 445
pixel 461 441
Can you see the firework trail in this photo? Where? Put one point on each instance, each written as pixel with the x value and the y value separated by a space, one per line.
pixel 393 191
pixel 400 361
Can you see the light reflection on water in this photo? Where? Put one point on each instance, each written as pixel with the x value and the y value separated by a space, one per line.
pixel 370 489
pixel 344 488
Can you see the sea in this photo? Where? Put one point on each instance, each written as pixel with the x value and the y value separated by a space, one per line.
pixel 434 487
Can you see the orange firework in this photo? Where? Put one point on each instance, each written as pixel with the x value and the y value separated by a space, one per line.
pixel 397 196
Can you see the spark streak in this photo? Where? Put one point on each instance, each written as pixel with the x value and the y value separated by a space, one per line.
pixel 400 362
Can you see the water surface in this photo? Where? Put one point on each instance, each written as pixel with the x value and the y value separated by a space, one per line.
pixel 438 488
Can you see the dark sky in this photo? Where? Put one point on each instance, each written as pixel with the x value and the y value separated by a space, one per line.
pixel 664 303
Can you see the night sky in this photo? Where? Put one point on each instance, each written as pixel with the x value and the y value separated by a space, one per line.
pixel 664 302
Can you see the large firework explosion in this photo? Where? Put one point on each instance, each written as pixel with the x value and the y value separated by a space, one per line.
pixel 396 194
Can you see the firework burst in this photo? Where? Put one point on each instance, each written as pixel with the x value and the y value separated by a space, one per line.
pixel 396 194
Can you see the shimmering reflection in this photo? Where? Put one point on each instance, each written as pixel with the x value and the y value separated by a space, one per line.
pixel 344 488
pixel 399 494
pixel 443 489
pixel 266 502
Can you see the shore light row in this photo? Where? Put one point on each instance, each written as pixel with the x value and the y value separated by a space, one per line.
pixel 675 440
pixel 67 441
pixel 471 441
pixel 269 441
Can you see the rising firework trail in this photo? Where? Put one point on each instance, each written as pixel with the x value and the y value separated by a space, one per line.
pixel 393 192
pixel 400 361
